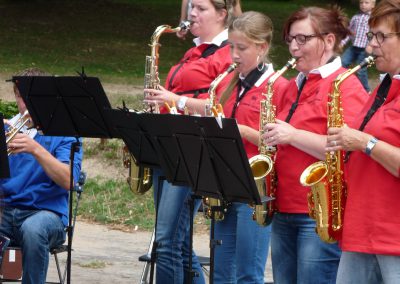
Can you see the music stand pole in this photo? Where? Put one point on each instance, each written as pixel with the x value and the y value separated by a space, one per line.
pixel 74 148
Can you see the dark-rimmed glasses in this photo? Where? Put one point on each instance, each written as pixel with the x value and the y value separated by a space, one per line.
pixel 301 39
pixel 380 36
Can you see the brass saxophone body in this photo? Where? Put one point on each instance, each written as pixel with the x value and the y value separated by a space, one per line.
pixel 327 197
pixel 140 178
pixel 15 128
pixel 213 108
pixel 262 165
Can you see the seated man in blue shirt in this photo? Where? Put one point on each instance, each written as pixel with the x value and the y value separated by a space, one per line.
pixel 35 197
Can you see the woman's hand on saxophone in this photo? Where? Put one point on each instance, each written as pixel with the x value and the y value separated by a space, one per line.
pixel 279 132
pixel 160 96
pixel 347 139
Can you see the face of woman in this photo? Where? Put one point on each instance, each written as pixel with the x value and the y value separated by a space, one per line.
pixel 315 51
pixel 207 22
pixel 387 52
pixel 245 52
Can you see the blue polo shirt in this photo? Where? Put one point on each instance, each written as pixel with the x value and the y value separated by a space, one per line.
pixel 29 187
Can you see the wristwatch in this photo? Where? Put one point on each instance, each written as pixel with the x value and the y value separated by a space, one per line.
pixel 370 145
pixel 182 102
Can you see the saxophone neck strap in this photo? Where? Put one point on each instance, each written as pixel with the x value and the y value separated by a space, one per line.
pixel 380 98
pixel 296 102
pixel 246 84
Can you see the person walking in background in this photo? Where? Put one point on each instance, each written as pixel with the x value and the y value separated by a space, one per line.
pixel 313 35
pixel 359 42
pixel 371 231
pixel 242 256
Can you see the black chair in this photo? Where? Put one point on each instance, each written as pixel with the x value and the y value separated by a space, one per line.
pixel 14 269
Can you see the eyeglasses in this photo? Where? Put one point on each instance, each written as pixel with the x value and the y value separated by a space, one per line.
pixel 301 39
pixel 380 36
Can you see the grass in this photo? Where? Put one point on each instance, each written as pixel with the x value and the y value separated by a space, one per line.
pixel 110 39
pixel 111 202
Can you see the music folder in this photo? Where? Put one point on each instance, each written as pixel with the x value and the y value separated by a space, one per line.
pixel 66 105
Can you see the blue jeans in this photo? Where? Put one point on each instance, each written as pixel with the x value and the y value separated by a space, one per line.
pixel 242 256
pixel 36 232
pixel 356 55
pixel 355 267
pixel 173 234
pixel 298 254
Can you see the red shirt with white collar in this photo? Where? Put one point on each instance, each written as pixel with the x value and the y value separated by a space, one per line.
pixel 248 109
pixel 194 72
pixel 310 115
pixel 372 215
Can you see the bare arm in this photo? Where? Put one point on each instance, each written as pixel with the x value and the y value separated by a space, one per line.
pixel 350 139
pixel 195 106
pixel 249 134
pixel 284 133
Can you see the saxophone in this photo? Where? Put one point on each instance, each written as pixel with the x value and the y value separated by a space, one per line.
pixel 140 178
pixel 262 165
pixel 213 108
pixel 327 197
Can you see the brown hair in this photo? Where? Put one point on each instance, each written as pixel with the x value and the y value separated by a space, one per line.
pixel 387 11
pixel 323 21
pixel 228 5
pixel 258 28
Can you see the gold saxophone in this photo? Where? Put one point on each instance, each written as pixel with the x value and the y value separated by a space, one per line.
pixel 213 108
pixel 15 128
pixel 262 165
pixel 140 178
pixel 327 197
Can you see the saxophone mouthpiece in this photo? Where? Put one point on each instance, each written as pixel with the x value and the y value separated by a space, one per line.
pixel 185 25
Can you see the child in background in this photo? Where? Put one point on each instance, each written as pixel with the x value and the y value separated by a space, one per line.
pixel 357 51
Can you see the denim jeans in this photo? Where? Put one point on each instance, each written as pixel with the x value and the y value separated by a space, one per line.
pixel 298 254
pixel 355 267
pixel 173 233
pixel 356 55
pixel 36 232
pixel 242 256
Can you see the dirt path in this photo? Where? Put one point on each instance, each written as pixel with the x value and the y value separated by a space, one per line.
pixel 102 255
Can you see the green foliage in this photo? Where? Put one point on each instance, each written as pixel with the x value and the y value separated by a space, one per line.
pixel 8 109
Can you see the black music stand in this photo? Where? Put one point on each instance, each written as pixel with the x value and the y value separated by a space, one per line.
pixel 212 157
pixel 4 167
pixel 67 106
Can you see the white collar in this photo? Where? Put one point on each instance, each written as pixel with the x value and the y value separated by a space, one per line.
pixel 222 36
pixel 325 70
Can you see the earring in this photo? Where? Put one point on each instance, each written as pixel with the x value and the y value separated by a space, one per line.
pixel 260 66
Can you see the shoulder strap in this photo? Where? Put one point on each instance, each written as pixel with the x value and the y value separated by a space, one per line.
pixel 213 48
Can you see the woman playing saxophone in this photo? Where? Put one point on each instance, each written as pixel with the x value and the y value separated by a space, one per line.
pixel 313 35
pixel 371 238
pixel 242 256
pixel 187 86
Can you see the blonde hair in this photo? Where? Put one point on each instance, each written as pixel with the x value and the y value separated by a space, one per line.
pixel 258 28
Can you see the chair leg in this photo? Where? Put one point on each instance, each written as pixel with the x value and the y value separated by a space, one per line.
pixel 58 269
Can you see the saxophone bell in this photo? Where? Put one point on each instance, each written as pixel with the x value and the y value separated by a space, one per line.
pixel 327 196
